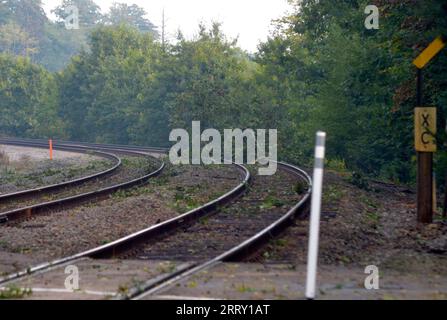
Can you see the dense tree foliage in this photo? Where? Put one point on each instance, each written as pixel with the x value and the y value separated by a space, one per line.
pixel 357 84
pixel 28 14
pixel 28 99
pixel 209 77
pixel 15 41
pixel 321 69
pixel 133 15
pixel 89 12
pixel 102 90
pixel 25 30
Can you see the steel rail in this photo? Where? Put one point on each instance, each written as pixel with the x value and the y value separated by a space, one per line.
pixel 234 254
pixel 115 247
pixel 244 249
pixel 28 211
pixel 93 145
pixel 79 146
pixel 58 186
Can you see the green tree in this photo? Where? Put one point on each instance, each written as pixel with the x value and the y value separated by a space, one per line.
pixel 15 41
pixel 4 13
pixel 89 12
pixel 102 91
pixel 209 74
pixel 356 84
pixel 27 31
pixel 28 14
pixel 133 15
pixel 28 99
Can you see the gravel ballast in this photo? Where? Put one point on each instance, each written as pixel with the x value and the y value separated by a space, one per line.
pixel 131 168
pixel 68 232
pixel 23 168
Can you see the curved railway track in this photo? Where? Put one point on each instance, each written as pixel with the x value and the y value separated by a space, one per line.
pixel 35 191
pixel 36 201
pixel 202 231
pixel 84 145
pixel 211 247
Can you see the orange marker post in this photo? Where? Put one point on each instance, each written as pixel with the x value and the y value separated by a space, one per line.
pixel 51 149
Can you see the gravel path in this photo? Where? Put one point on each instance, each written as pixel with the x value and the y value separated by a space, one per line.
pixel 68 232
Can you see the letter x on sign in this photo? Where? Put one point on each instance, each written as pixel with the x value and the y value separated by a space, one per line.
pixel 425 129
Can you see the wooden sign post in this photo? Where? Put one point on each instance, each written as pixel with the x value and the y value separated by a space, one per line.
pixel 425 137
pixel 425 131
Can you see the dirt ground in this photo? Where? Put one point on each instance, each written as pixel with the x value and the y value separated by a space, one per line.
pixel 250 281
pixel 372 226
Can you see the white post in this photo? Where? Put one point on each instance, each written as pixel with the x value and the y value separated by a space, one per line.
pixel 312 255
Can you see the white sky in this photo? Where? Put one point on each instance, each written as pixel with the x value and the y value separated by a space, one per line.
pixel 250 20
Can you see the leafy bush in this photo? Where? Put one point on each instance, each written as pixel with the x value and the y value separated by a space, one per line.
pixel 358 180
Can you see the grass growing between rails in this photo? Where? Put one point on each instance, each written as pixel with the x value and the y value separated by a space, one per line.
pixel 24 175
pixel 13 292
pixel 184 188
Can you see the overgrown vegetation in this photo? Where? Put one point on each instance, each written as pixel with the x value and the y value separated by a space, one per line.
pixel 12 292
pixel 319 70
pixel 24 173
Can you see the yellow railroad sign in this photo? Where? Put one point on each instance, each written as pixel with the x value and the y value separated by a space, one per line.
pixel 425 129
pixel 428 54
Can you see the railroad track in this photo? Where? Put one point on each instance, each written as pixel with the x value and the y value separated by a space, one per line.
pixel 231 235
pixel 84 145
pixel 225 229
pixel 26 204
pixel 35 191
